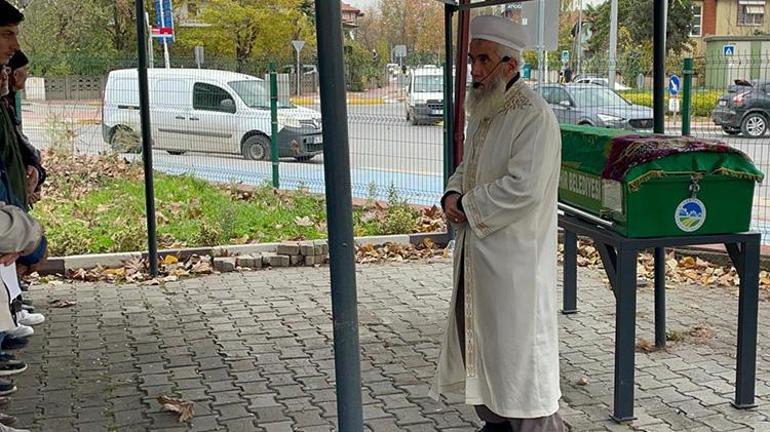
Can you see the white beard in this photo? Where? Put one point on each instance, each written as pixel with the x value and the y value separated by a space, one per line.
pixel 483 102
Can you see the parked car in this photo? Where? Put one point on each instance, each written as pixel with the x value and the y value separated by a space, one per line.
pixel 583 79
pixel 745 108
pixel 590 104
pixel 209 111
pixel 425 95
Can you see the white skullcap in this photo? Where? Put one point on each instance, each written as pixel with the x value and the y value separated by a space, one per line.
pixel 501 30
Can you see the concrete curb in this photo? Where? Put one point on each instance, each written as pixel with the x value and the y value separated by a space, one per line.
pixel 62 265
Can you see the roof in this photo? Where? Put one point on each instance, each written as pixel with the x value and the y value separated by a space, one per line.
pixel 348 8
pixel 186 73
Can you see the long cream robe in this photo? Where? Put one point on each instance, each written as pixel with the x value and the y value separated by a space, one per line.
pixel 509 179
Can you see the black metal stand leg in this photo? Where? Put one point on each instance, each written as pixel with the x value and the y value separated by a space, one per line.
pixel 625 336
pixel 660 297
pixel 570 273
pixel 745 371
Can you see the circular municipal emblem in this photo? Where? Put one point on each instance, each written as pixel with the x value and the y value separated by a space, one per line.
pixel 690 215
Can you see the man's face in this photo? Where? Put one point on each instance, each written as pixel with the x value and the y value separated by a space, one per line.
pixel 485 62
pixel 19 78
pixel 9 42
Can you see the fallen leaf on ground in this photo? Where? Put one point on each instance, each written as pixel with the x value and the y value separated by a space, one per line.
pixel 646 346
pixel 582 381
pixel 182 407
pixel 304 221
pixel 61 303
pixel 170 259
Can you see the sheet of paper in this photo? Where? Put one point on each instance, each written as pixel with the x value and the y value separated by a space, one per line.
pixel 11 280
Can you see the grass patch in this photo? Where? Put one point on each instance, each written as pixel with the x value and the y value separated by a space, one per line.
pixel 96 205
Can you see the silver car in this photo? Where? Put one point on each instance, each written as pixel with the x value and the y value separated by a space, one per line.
pixel 595 105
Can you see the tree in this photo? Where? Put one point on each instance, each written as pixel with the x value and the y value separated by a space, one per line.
pixel 635 27
pixel 253 29
pixel 418 24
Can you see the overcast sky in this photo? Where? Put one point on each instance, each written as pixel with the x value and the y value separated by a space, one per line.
pixel 364 4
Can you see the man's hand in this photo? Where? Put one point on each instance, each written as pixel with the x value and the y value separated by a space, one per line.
pixel 453 210
pixel 32 179
pixel 9 259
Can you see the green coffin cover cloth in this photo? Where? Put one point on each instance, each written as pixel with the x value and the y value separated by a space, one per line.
pixel 615 154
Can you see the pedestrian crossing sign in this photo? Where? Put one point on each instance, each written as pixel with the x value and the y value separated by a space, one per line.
pixel 729 50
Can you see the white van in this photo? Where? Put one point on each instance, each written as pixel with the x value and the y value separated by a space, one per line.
pixel 208 111
pixel 425 95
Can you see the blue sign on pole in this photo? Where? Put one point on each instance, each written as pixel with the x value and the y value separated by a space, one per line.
pixel 728 50
pixel 164 21
pixel 674 85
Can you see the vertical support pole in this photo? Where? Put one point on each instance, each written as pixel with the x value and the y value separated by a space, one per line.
pixel 688 72
pixel 144 113
pixel 625 335
pixel 660 297
pixel 458 125
pixel 613 61
pixel 570 273
pixel 746 367
pixel 449 161
pixel 165 53
pixel 659 65
pixel 339 208
pixel 299 76
pixel 274 125
pixel 150 52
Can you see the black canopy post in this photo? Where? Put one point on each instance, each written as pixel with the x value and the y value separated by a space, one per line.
pixel 144 113
pixel 660 12
pixel 339 210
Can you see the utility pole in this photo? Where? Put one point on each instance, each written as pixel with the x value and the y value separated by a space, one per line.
pixel 541 57
pixel 613 43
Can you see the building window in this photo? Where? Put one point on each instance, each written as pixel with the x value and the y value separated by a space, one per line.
pixel 697 21
pixel 751 12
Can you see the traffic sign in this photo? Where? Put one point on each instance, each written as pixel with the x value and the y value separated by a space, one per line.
pixel 298 45
pixel 565 56
pixel 674 85
pixel 728 50
pixel 164 21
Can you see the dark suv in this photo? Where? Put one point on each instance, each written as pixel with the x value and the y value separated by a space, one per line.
pixel 745 108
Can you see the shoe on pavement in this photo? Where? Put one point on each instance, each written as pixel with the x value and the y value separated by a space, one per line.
pixel 4 428
pixel 19 332
pixel 7 420
pixel 29 319
pixel 27 308
pixel 12 367
pixel 10 343
pixel 6 387
pixel 496 427
pixel 6 356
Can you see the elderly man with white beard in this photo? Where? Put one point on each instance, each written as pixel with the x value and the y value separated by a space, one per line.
pixel 501 344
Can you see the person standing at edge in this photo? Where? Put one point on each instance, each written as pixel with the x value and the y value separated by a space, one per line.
pixel 501 345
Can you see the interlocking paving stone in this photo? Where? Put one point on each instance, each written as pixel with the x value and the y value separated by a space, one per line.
pixel 253 350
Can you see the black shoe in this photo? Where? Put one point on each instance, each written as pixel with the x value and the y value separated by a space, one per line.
pixel 6 356
pixel 12 367
pixel 496 427
pixel 6 387
pixel 10 343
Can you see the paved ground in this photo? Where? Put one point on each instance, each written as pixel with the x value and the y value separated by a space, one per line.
pixel 253 351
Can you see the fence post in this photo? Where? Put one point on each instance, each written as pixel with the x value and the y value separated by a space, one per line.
pixel 274 124
pixel 687 96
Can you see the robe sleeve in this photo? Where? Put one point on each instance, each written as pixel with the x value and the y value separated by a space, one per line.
pixel 18 231
pixel 455 182
pixel 492 206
